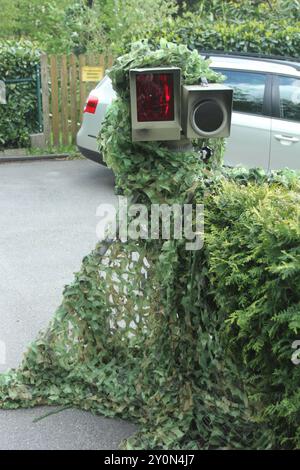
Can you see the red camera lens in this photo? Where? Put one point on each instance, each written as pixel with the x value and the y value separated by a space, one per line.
pixel 155 97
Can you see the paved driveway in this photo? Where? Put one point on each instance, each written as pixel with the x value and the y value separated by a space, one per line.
pixel 47 224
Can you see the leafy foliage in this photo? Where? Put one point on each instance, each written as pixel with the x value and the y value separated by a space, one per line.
pixel 194 346
pixel 41 22
pixel 237 10
pixel 110 26
pixel 254 272
pixel 18 117
pixel 82 28
pixel 245 26
pixel 265 26
pixel 278 38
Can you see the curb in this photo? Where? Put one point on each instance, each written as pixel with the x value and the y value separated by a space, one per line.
pixel 29 158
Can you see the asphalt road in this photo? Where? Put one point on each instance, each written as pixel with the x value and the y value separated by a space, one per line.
pixel 47 225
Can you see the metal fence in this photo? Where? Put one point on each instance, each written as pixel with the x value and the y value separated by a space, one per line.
pixel 37 80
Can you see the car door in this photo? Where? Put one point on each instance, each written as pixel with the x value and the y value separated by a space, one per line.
pixel 249 141
pixel 285 125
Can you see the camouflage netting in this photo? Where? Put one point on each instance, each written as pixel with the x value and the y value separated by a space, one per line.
pixel 193 346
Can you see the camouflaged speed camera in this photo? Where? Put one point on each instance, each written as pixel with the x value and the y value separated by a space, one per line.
pixel 162 109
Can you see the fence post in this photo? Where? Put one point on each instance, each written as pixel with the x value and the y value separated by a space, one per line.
pixel 45 97
pixel 73 97
pixel 38 96
pixel 101 62
pixel 82 86
pixel 64 100
pixel 54 100
pixel 110 61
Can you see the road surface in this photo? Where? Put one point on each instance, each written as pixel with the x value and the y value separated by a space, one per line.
pixel 47 225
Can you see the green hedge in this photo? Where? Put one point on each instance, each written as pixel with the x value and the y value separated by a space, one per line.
pixel 18 118
pixel 253 36
pixel 277 38
pixel 253 251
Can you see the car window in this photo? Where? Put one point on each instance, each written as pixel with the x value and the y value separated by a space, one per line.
pixel 289 98
pixel 248 90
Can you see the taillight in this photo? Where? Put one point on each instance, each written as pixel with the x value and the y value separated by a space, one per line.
pixel 91 105
pixel 155 97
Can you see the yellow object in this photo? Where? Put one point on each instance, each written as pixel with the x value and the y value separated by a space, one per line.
pixel 91 74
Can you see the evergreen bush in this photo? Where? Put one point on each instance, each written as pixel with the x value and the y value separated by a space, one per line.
pixel 19 117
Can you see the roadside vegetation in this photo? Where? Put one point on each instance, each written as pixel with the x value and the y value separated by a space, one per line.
pixel 61 26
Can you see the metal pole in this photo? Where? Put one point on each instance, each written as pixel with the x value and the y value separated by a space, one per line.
pixel 38 94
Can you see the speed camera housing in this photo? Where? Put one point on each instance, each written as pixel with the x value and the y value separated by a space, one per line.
pixel 206 110
pixel 162 109
pixel 155 103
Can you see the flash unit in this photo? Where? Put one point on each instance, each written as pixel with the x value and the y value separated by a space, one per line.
pixel 155 103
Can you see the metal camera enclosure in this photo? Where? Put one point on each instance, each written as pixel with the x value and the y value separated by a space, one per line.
pixel 206 110
pixel 159 130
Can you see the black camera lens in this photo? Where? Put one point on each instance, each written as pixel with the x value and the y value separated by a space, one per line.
pixel 208 116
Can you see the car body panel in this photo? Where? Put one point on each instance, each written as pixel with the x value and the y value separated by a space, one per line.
pixel 249 141
pixel 285 144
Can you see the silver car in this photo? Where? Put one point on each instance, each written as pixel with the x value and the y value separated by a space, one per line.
pixel 265 127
